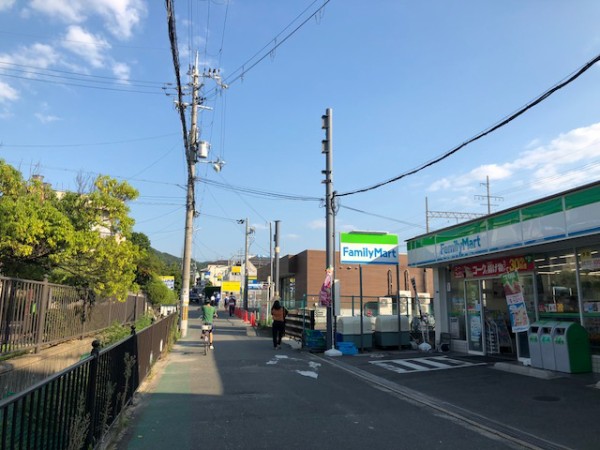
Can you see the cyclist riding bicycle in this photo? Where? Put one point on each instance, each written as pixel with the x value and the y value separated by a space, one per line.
pixel 209 312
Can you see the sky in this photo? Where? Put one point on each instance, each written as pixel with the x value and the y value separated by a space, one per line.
pixel 88 88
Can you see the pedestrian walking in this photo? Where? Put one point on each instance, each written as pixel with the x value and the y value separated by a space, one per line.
pixel 279 313
pixel 231 305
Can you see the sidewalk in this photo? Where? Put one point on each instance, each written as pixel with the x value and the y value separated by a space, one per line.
pixel 246 395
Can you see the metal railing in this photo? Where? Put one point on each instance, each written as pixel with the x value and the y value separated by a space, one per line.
pixel 73 409
pixel 38 313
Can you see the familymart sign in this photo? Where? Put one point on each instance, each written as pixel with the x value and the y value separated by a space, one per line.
pixel 368 248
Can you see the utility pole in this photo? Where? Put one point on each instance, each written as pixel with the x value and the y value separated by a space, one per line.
pixel 276 262
pixel 245 303
pixel 488 197
pixel 327 149
pixel 190 203
pixel 270 291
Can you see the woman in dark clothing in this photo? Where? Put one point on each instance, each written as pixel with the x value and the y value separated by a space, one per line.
pixel 278 312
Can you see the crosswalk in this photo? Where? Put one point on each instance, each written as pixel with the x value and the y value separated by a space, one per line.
pixel 425 364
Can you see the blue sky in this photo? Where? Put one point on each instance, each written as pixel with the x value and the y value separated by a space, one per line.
pixel 81 93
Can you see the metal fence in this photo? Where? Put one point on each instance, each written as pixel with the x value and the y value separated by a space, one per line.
pixel 73 409
pixel 38 313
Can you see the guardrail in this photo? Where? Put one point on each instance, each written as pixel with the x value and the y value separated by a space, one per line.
pixel 74 408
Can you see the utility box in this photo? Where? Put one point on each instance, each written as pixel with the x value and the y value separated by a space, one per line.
pixel 535 349
pixel 547 345
pixel 349 330
pixel 387 334
pixel 571 348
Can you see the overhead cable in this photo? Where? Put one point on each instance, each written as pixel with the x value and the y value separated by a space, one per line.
pixel 487 131
pixel 260 193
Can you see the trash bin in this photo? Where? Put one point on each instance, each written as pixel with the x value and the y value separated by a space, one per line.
pixel 349 329
pixel 535 349
pixel 547 346
pixel 571 348
pixel 386 332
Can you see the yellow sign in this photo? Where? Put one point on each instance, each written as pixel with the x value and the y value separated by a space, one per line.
pixel 236 269
pixel 230 286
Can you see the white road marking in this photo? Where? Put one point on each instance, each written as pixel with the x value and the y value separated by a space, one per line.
pixel 424 364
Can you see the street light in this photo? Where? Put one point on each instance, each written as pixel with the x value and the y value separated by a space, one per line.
pixel 249 231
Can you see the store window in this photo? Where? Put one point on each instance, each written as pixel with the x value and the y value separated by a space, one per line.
pixel 589 276
pixel 457 308
pixel 557 286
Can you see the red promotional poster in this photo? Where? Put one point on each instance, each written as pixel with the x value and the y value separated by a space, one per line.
pixel 494 267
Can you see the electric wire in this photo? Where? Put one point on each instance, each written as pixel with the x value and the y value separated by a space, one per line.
pixel 86 86
pixel 88 144
pixel 241 71
pixel 81 76
pixel 259 193
pixel 484 133
pixel 381 217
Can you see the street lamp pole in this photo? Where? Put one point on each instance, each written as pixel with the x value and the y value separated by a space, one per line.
pixel 245 303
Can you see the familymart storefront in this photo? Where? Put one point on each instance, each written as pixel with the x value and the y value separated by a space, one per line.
pixel 496 275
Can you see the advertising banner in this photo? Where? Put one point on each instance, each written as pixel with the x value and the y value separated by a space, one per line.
pixel 516 302
pixel 494 267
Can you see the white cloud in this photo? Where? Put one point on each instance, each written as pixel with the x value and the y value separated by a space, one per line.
pixel 46 118
pixel 317 224
pixel 7 93
pixel 120 16
pixel 292 236
pixel 67 11
pixel 37 55
pixel 90 47
pixel 6 4
pixel 565 161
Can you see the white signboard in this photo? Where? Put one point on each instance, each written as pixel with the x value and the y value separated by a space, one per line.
pixel 368 248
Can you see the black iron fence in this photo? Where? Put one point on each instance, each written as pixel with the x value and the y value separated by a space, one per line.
pixel 38 313
pixel 73 409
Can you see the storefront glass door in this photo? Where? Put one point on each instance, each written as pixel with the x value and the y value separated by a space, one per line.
pixel 474 320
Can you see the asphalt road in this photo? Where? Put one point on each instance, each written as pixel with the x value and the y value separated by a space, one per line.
pixel 247 395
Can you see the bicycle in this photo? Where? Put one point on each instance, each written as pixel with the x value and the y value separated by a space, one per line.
pixel 206 329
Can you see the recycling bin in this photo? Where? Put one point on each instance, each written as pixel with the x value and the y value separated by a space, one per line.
pixel 547 345
pixel 571 348
pixel 349 329
pixel 535 349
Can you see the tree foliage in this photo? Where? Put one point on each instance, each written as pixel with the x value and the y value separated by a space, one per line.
pixel 79 239
pixel 82 238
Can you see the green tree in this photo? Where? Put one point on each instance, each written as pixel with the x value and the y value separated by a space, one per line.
pixel 35 233
pixel 159 294
pixel 101 256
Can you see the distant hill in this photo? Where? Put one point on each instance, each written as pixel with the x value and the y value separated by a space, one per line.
pixel 174 260
pixel 167 258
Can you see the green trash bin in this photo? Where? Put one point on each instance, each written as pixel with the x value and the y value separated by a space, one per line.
pixel 547 345
pixel 535 349
pixel 571 348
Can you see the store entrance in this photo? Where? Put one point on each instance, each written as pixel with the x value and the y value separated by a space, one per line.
pixel 488 320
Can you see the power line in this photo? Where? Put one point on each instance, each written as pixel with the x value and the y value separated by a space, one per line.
pixel 487 131
pixel 242 70
pixel 87 144
pixel 32 69
pixel 64 83
pixel 260 193
pixel 381 217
